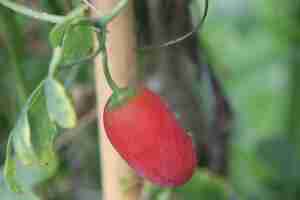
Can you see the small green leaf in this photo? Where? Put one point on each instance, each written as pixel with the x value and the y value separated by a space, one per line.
pixel 76 36
pixel 10 172
pixel 22 141
pixel 59 105
pixel 78 42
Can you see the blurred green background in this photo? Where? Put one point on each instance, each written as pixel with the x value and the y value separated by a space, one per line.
pixel 254 49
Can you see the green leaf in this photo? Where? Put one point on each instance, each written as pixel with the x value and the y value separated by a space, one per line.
pixel 59 105
pixel 22 141
pixel 10 169
pixel 76 36
pixel 7 194
pixel 44 133
pixel 32 139
pixel 78 42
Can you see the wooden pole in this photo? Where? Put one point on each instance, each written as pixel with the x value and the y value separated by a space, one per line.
pixel 119 182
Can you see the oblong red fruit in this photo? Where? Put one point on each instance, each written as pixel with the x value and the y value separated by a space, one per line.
pixel 147 135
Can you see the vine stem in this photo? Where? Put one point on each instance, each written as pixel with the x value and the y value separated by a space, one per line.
pixel 115 11
pixel 33 96
pixel 56 60
pixel 43 16
pixel 110 81
pixel 31 13
pixel 183 37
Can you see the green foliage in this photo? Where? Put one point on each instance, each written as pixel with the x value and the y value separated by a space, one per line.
pixel 34 134
pixel 32 139
pixel 27 177
pixel 30 147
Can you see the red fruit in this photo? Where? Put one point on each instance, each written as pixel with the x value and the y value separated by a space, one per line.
pixel 147 135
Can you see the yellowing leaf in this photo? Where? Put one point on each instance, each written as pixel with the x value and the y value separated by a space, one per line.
pixel 22 141
pixel 10 169
pixel 59 105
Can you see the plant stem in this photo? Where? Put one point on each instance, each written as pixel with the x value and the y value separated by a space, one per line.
pixel 115 11
pixel 104 21
pixel 34 95
pixel 55 61
pixel 112 84
pixel 31 13
pixel 41 15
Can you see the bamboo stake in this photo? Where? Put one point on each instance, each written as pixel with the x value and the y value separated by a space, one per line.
pixel 118 180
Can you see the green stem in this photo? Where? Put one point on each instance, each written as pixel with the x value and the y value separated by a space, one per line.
pixel 115 12
pixel 31 13
pixel 57 18
pixel 112 84
pixel 41 15
pixel 56 60
pixel 33 96
pixel 102 42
